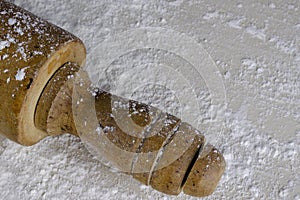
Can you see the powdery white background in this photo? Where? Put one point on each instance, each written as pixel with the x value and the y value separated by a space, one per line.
pixel 255 45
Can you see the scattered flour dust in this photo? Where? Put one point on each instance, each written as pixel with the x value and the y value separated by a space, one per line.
pixel 11 21
pixel 4 44
pixel 21 74
pixel 258 57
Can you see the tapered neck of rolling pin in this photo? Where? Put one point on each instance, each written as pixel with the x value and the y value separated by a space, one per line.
pixel 54 109
pixel 54 113
pixel 180 160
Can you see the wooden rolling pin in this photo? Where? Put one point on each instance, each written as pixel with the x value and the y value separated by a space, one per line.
pixel 38 63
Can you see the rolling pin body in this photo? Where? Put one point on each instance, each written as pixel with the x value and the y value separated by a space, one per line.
pixel 38 63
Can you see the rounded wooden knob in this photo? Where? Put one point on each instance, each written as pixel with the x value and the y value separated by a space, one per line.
pixel 155 147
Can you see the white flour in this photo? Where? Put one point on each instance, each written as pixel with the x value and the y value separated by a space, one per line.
pixel 21 74
pixel 255 46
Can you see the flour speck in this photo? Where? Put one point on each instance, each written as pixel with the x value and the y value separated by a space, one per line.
pixel 4 44
pixel 11 21
pixel 21 74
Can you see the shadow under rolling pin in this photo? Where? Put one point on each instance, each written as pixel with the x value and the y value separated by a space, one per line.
pixel 45 92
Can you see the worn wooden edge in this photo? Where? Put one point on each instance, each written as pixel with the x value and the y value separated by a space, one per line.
pixel 73 51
